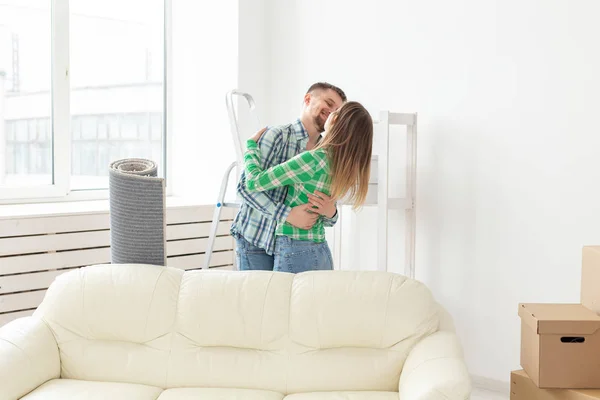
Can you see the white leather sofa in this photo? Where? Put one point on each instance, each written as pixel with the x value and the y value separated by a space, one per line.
pixel 141 332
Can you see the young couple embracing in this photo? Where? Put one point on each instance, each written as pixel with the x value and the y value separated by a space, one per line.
pixel 294 176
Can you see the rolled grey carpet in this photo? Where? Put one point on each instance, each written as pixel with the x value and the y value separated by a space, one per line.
pixel 137 213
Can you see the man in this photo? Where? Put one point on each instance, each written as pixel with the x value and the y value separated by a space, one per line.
pixel 254 225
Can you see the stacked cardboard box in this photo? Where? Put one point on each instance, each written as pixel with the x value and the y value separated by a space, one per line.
pixel 560 343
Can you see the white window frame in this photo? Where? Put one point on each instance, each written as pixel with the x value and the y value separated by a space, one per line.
pixel 60 189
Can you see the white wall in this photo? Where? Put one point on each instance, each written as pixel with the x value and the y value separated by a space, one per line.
pixel 209 46
pixel 204 68
pixel 508 94
pixel 254 59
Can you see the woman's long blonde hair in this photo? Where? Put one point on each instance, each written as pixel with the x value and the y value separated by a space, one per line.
pixel 349 143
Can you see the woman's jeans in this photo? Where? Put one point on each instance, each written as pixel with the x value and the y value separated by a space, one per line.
pixel 290 256
pixel 301 255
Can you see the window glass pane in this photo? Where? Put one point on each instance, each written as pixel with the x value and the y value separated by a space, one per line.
pixel 89 128
pixel 117 71
pixel 103 129
pixel 25 99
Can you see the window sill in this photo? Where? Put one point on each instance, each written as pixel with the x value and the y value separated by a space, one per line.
pixel 36 210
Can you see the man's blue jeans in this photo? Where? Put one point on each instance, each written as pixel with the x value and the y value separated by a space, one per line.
pixel 251 258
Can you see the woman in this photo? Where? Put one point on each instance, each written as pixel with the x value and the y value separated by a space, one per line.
pixel 339 165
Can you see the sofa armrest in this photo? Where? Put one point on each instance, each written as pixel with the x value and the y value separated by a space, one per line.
pixel 28 357
pixel 435 369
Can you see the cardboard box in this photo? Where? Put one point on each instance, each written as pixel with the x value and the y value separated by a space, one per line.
pixel 590 278
pixel 523 388
pixel 560 345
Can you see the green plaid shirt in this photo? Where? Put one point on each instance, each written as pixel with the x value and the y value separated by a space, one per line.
pixel 305 173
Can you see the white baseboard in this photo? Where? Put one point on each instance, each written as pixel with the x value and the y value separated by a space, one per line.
pixel 492 385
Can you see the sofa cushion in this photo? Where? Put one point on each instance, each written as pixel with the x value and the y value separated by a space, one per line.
pixel 61 389
pixel 335 309
pixel 114 323
pixel 352 331
pixel 218 394
pixel 344 396
pixel 231 330
pixel 246 310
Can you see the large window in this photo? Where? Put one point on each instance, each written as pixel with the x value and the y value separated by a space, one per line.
pixel 81 84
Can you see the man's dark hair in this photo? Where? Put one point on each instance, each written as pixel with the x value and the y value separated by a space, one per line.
pixel 325 86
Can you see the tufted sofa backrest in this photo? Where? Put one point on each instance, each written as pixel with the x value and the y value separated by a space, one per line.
pixel 316 331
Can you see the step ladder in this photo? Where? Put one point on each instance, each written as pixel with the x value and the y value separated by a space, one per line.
pixel 238 165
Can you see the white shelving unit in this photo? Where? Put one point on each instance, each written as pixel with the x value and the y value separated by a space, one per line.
pixel 379 191
pixel 379 185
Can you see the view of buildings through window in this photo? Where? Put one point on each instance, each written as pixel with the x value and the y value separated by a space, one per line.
pixel 116 59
